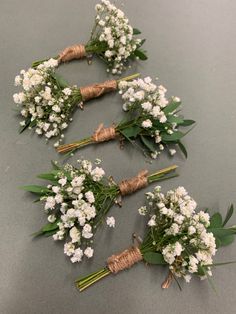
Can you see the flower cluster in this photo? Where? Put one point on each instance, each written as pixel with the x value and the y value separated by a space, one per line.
pixel 73 205
pixel 115 37
pixel 46 101
pixel 179 233
pixel 156 119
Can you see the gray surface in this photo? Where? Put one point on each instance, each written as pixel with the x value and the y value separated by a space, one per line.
pixel 191 46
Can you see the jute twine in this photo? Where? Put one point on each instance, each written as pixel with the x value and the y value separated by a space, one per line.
pixel 72 52
pixel 124 260
pixel 129 186
pixel 104 134
pixel 96 90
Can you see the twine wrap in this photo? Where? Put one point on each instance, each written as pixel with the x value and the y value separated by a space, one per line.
pixel 138 182
pixel 124 260
pixel 72 52
pixel 104 134
pixel 97 90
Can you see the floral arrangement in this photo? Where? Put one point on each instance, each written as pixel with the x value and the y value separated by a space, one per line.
pixel 77 201
pixel 177 236
pixel 47 102
pixel 153 121
pixel 112 40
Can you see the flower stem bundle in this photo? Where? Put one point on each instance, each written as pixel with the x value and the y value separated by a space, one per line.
pixel 153 122
pixel 47 102
pixel 112 40
pixel 77 201
pixel 177 237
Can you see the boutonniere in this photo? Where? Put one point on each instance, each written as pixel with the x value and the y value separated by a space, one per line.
pixel 78 199
pixel 47 102
pixel 112 39
pixel 153 122
pixel 177 236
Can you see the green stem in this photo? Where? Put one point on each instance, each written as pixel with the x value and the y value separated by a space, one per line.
pixel 87 281
pixel 128 78
pixel 161 173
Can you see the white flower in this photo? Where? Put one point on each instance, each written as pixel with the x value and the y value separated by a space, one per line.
pixel 77 256
pixel 58 198
pixel 147 106
pixel 172 151
pixel 191 230
pixel 88 252
pixel 90 197
pixel 142 210
pixel 176 99
pixel 97 173
pixel 75 235
pixel 163 119
pixel 51 218
pixel 152 221
pixel 147 123
pixel 18 80
pixel 69 248
pixel 50 202
pixel 111 222
pixel 86 232
pixel 67 91
pixel 63 181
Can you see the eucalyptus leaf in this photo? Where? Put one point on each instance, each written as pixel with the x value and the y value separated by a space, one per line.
pixel 229 214
pixel 154 258
pixel 224 241
pixel 140 54
pixel 148 143
pixel 176 136
pixel 37 189
pixel 187 122
pixel 171 107
pixel 183 149
pixel 136 31
pixel 27 123
pixel 216 221
pixel 132 131
pixel 60 80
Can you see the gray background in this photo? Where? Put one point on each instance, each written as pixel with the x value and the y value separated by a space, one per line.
pixel 191 47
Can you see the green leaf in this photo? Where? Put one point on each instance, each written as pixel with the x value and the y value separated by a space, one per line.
pixel 132 131
pixel 227 240
pixel 187 122
pixel 216 221
pixel 27 123
pixel 136 31
pixel 176 136
pixel 37 189
pixel 140 54
pixel 154 258
pixel 171 107
pixel 55 165
pixel 183 149
pixel 220 233
pixel 174 119
pixel 47 176
pixel 48 229
pixel 60 80
pixel 141 43
pixel 148 143
pixel 229 214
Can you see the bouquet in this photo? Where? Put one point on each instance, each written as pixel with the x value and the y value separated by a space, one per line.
pixel 47 102
pixel 112 40
pixel 153 121
pixel 77 201
pixel 177 237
